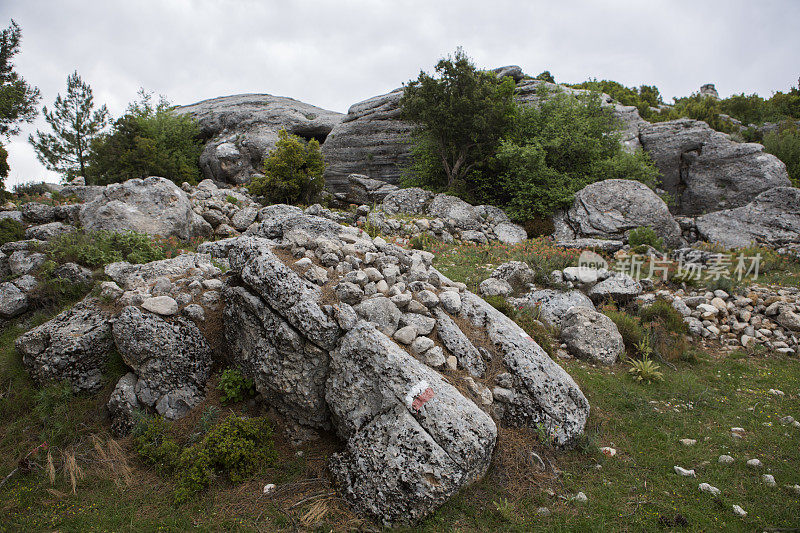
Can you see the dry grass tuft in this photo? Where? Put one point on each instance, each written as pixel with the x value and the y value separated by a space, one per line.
pixel 73 470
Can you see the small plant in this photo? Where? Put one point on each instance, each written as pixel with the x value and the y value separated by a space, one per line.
pixel 629 327
pixel 235 387
pixel 422 241
pixel 232 200
pixel 505 509
pixel 373 230
pixel 645 236
pixel 662 310
pixel 11 230
pixel 645 370
pixel 98 248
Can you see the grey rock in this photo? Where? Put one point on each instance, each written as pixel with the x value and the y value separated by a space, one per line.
pixel 130 276
pixel 73 347
pixel 74 273
pixel 509 233
pixel 242 128
pixel 38 213
pixel 370 140
pixel 423 324
pixel 13 301
pixel 26 283
pixel 171 359
pixel 411 201
pixel 405 335
pixel 161 305
pixel 49 231
pixel 194 312
pixel 451 301
pixel 24 262
pixel 459 345
pixel 705 170
pixel 243 218
pixel 772 218
pixel 553 304
pixel 458 213
pixel 294 298
pixel 512 71
pixel 287 369
pixel 517 273
pixel 591 335
pixel 544 394
pixel 381 312
pixel 621 287
pixel 153 205
pixel 412 440
pixel 122 405
pixel 13 215
pixel 365 190
pixel 610 209
pixel 495 287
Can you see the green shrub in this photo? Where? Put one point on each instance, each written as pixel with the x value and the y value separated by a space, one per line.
pixel 645 370
pixel 643 98
pixel 149 140
pixel 153 443
pixel 98 248
pixel 292 172
pixel 423 241
pixel 629 327
pixel 236 447
pixel 31 189
pixel 11 230
pixel 785 145
pixel 4 168
pixel 662 310
pixel 645 236
pixel 235 387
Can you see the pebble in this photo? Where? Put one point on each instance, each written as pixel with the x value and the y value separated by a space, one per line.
pixel 754 463
pixel 580 498
pixel 451 362
pixel 688 442
pixel 776 392
pixel 705 487
pixel 769 480
pixel 543 511
pixel 684 472
pixel 738 511
pixel 269 487
pixel 725 459
pixel 786 420
pixel 608 451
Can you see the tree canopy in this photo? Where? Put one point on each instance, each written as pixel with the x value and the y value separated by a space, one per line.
pixel 75 123
pixel 18 99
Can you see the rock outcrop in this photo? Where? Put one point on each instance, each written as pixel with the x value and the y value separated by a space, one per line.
pixel 74 346
pixel 772 218
pixel 153 205
pixel 610 209
pixel 370 140
pixel 171 360
pixel 241 129
pixel 591 335
pixel 705 171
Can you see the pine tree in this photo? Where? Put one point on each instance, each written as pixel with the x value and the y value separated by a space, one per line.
pixel 75 124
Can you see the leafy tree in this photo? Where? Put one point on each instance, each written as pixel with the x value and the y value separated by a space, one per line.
pixel 556 149
pixel 643 98
pixel 75 123
pixel 546 76
pixel 17 99
pixel 785 145
pixel 292 171
pixel 459 117
pixel 149 140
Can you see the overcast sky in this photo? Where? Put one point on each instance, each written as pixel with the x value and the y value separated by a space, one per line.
pixel 333 53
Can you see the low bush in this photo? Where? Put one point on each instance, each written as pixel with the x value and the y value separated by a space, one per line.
pixel 292 172
pixel 235 387
pixel 11 230
pixel 785 145
pixel 662 310
pixel 633 334
pixel 645 236
pixel 154 444
pixel 98 248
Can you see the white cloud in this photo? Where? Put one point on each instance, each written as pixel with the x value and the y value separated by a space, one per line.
pixel 333 53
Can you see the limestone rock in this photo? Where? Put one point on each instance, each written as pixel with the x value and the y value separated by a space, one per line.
pixel 13 301
pixel 153 205
pixel 73 346
pixel 610 209
pixel 772 218
pixel 171 359
pixel 705 170
pixel 591 335
pixel 242 128
pixel 412 440
pixel 553 305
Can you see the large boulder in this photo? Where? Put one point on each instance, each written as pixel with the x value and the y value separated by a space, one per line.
pixel 73 347
pixel 365 190
pixel 705 170
pixel 591 335
pixel 171 359
pixel 772 218
pixel 242 128
pixel 610 209
pixel 412 440
pixel 130 276
pixel 553 304
pixel 287 369
pixel 13 301
pixel 370 140
pixel 152 205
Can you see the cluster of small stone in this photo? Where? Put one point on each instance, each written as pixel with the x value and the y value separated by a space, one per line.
pixel 766 316
pixel 229 211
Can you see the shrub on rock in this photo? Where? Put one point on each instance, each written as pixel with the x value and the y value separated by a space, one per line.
pixel 292 172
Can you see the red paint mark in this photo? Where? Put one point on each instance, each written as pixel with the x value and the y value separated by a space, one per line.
pixel 422 399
